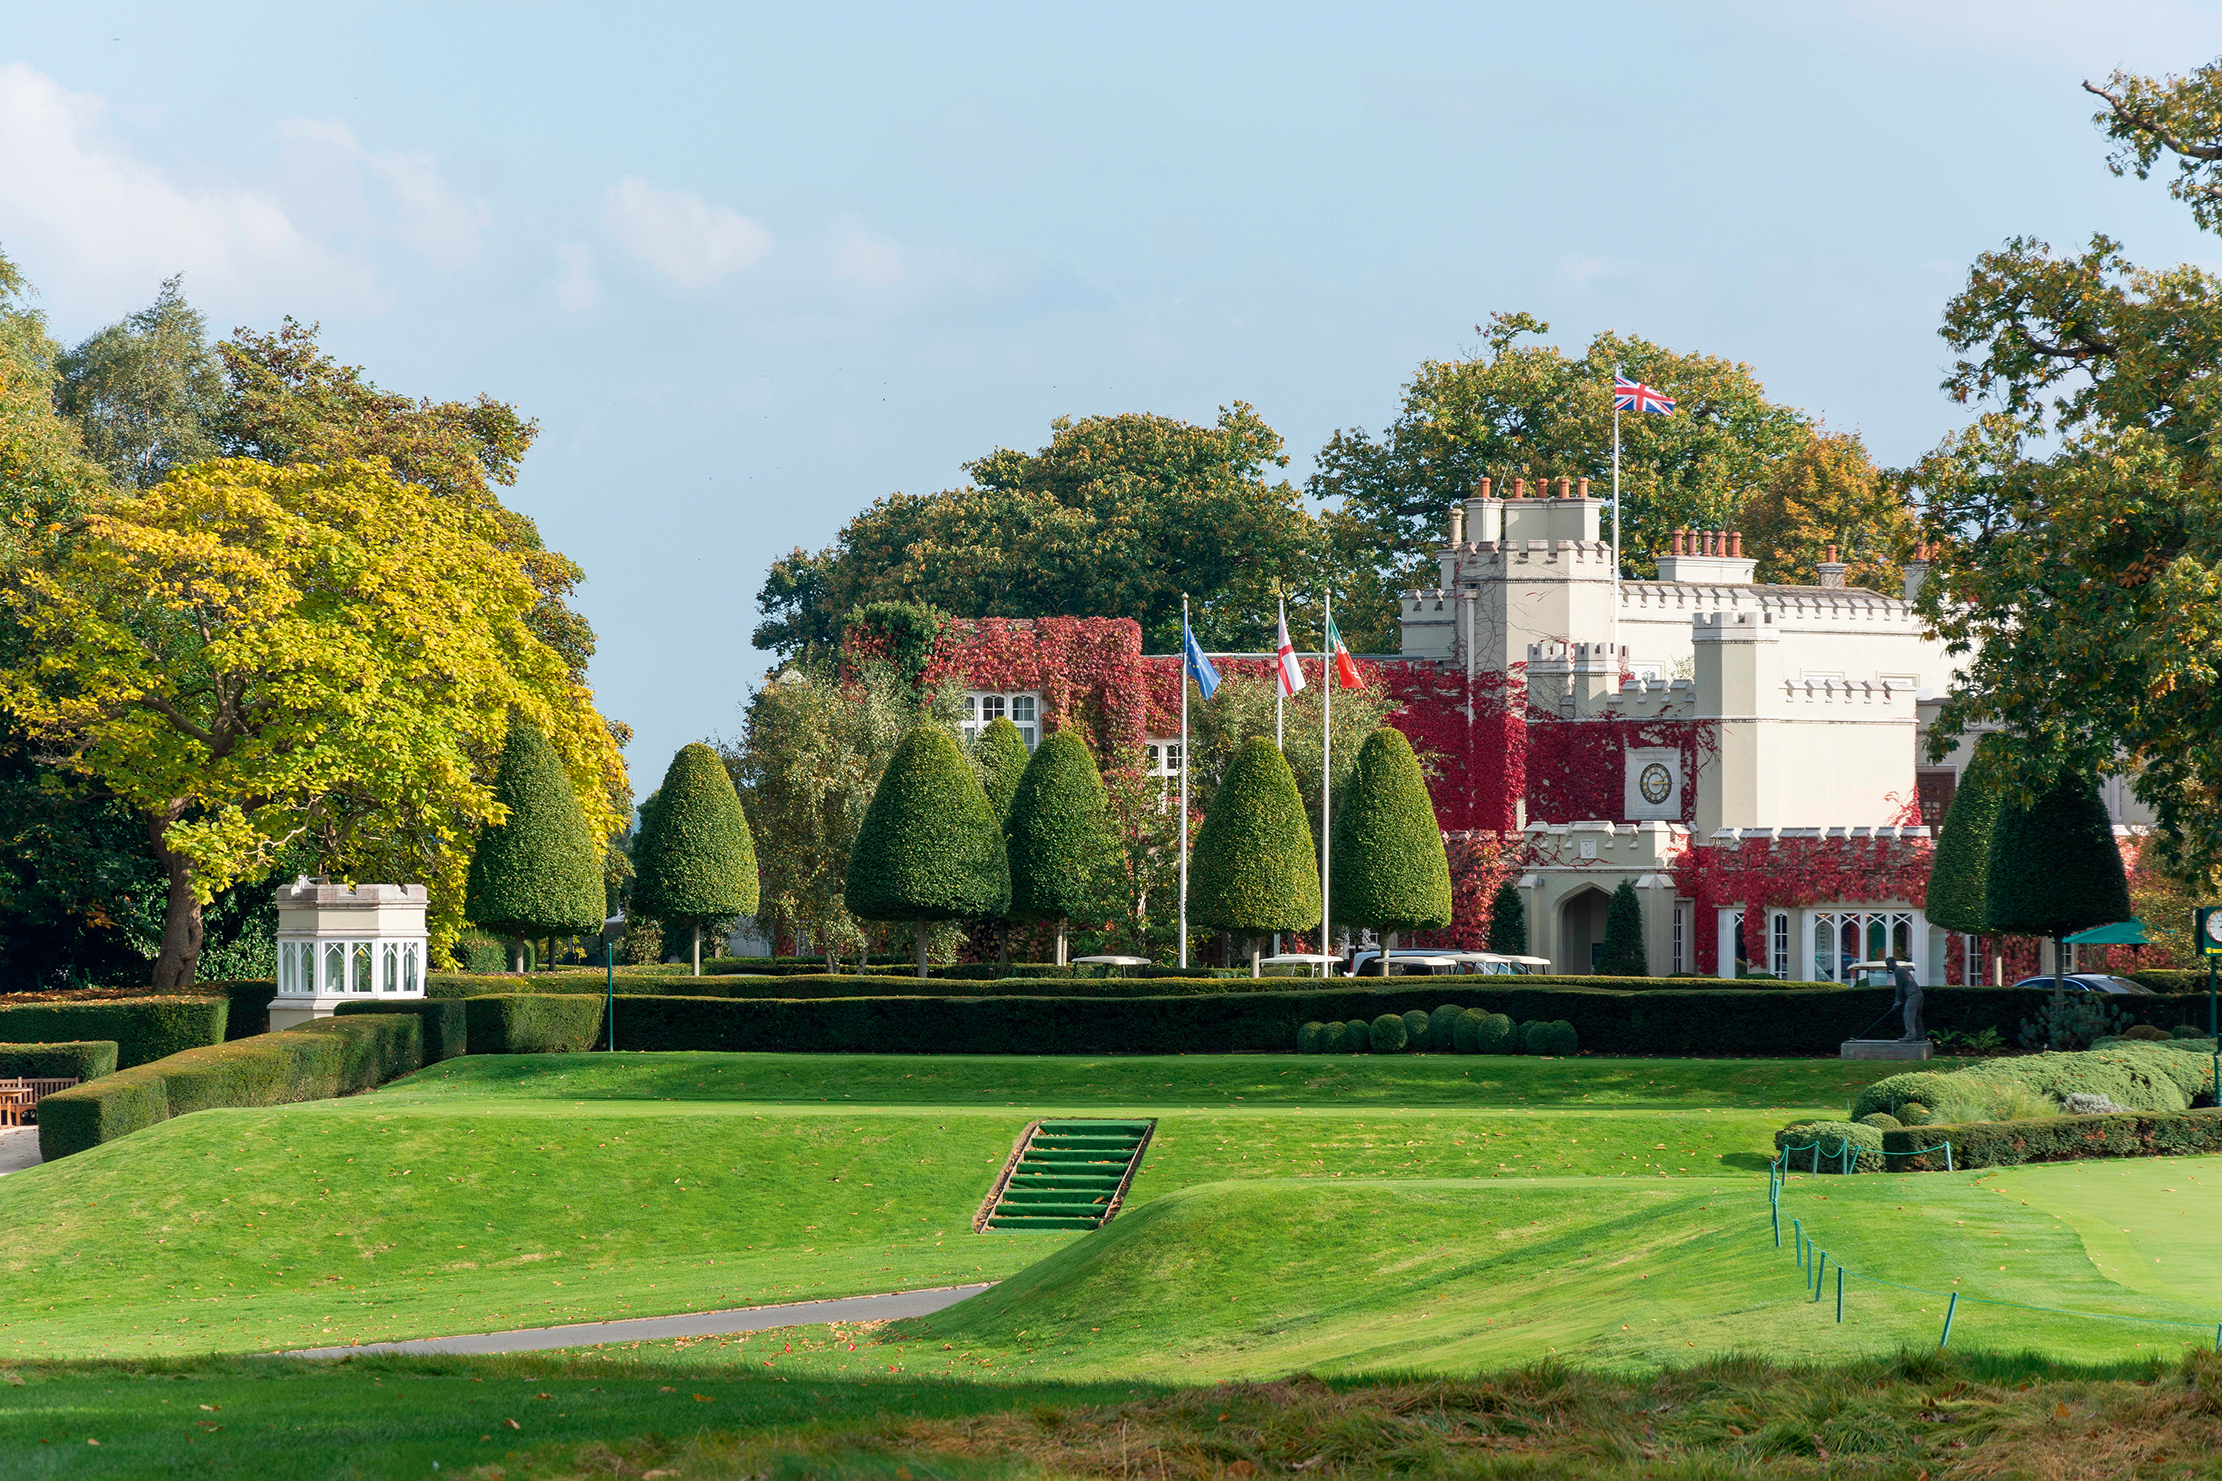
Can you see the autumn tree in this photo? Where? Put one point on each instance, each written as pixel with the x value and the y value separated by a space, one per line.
pixel 1523 410
pixel 1827 495
pixel 2079 581
pixel 1116 517
pixel 248 656
pixel 288 402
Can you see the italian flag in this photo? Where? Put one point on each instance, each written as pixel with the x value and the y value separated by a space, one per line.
pixel 1346 667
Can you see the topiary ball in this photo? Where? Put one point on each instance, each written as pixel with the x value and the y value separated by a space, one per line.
pixel 1881 1121
pixel 2144 1031
pixel 2187 1031
pixel 1442 1030
pixel 1464 1028
pixel 1554 1038
pixel 1913 1113
pixel 1332 1040
pixel 1307 1038
pixel 1520 1034
pixel 1388 1034
pixel 1356 1037
pixel 1494 1034
pixel 1418 1031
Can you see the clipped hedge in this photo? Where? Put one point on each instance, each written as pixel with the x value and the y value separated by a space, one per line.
pixel 1831 1138
pixel 1386 1034
pixel 83 1059
pixel 250 1004
pixel 446 1022
pixel 317 1061
pixel 2055 1139
pixel 540 1023
pixel 2140 1076
pixel 144 1029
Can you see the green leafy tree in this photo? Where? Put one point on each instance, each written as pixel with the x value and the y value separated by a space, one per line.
pixel 807 767
pixel 931 848
pixel 1060 836
pixel 1623 955
pixel 1532 411
pixel 2054 868
pixel 2080 516
pixel 1508 921
pixel 537 872
pixel 1117 517
pixel 1000 756
pixel 1390 870
pixel 1254 869
pixel 1242 711
pixel 1959 869
pixel 696 866
pixel 145 392
pixel 249 656
pixel 1826 494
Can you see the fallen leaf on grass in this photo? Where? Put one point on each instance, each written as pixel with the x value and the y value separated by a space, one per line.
pixel 513 1424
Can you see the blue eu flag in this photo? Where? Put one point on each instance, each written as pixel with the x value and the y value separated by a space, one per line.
pixel 1199 664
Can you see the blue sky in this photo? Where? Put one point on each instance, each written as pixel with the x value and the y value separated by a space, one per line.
pixel 755 267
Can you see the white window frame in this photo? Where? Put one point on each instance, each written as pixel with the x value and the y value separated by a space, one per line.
pixel 1680 955
pixel 1817 966
pixel 1022 707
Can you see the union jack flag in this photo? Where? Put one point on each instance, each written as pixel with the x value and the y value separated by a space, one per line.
pixel 1628 395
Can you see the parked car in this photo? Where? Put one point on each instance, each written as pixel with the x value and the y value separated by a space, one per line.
pixel 2091 982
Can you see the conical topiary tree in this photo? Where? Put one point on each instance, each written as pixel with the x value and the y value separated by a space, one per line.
pixel 696 864
pixel 1623 954
pixel 538 872
pixel 1000 755
pixel 931 847
pixel 1254 870
pixel 2054 870
pixel 1059 835
pixel 1390 871
pixel 1959 869
pixel 1508 921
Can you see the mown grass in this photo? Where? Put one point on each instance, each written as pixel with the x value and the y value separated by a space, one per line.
pixel 1401 1080
pixel 532 1190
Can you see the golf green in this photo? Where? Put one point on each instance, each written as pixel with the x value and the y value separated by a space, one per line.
pixel 2144 1222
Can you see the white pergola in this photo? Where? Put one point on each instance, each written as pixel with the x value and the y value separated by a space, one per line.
pixel 338 944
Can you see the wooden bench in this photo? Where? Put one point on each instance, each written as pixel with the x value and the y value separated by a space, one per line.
pixel 19 1099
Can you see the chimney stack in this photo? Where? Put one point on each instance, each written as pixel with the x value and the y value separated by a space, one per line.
pixel 1832 570
pixel 1917 569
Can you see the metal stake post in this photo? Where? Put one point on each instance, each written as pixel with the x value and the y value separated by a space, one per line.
pixel 609 1002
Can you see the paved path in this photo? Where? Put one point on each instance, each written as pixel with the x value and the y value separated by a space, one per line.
pixel 19 1148
pixel 890 1307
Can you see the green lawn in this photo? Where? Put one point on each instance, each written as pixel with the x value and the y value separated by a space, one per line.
pixel 1349 1216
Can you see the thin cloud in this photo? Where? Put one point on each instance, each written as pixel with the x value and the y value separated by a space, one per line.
pixel 683 237
pixel 428 217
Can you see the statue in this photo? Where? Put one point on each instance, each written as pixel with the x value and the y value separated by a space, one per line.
pixel 1909 999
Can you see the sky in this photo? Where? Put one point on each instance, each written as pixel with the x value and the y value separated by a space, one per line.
pixel 752 268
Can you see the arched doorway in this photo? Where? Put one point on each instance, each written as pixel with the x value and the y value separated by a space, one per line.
pixel 1581 930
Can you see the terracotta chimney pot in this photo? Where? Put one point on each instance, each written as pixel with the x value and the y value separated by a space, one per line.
pixel 1519 488
pixel 1485 486
pixel 1832 555
pixel 1585 489
pixel 1565 487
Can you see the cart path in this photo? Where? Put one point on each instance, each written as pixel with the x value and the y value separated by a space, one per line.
pixel 892 1306
pixel 19 1149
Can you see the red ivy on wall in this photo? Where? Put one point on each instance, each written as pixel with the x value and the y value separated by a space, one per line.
pixel 1760 874
pixel 1089 671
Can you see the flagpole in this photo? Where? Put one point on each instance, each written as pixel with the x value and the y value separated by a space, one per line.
pixel 1184 781
pixel 1616 538
pixel 1326 763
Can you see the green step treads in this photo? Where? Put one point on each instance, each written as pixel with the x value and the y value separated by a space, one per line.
pixel 1065 1175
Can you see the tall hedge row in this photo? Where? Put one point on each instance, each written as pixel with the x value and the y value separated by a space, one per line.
pixel 534 1023
pixel 314 1062
pixel 1721 1022
pixel 145 1029
pixel 83 1060
pixel 446 1022
pixel 2054 1139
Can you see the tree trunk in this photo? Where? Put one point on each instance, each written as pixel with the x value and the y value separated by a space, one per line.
pixel 1064 947
pixel 698 951
pixel 517 954
pixel 181 913
pixel 921 946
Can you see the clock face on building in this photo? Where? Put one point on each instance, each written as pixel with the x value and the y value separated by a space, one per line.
pixel 1656 784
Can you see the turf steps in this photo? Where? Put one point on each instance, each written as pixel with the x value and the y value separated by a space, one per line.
pixel 1066 1175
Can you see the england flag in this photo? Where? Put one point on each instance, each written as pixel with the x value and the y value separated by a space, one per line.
pixel 1291 672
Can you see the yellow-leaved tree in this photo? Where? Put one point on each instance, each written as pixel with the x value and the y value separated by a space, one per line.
pixel 250 655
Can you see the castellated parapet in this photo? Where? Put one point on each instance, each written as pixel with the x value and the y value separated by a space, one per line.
pixel 1652 699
